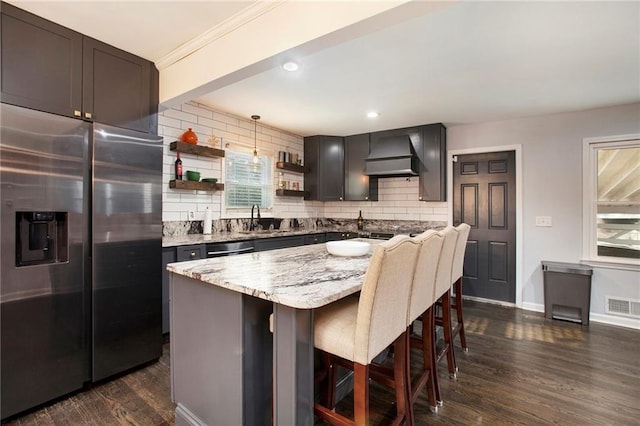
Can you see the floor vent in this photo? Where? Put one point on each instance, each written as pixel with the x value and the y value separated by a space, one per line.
pixel 620 306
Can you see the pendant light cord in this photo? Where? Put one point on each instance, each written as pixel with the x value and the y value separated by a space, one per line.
pixel 255 119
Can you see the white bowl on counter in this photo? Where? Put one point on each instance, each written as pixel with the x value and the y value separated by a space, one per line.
pixel 348 248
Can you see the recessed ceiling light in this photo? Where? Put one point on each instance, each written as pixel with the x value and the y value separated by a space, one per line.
pixel 373 114
pixel 290 66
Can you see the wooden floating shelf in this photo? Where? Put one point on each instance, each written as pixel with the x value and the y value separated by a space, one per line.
pixel 197 186
pixel 291 167
pixel 188 148
pixel 291 193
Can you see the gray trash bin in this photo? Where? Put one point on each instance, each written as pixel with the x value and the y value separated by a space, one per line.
pixel 567 291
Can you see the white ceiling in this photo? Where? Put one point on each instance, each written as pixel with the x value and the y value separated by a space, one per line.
pixel 466 63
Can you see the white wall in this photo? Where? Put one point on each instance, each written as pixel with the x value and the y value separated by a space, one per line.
pixel 398 198
pixel 552 186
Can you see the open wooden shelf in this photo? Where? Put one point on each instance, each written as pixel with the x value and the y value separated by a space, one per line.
pixel 291 193
pixel 188 148
pixel 198 186
pixel 291 167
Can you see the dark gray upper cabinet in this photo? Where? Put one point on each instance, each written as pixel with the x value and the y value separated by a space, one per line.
pixel 41 63
pixel 116 86
pixel 357 185
pixel 324 156
pixel 433 163
pixel 50 68
pixel 429 143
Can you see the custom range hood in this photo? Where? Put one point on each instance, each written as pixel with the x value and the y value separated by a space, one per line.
pixel 392 156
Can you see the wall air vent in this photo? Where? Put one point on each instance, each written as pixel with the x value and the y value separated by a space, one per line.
pixel 622 306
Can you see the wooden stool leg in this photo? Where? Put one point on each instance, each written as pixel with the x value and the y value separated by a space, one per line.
pixel 460 326
pixel 361 394
pixel 434 357
pixel 429 357
pixel 400 373
pixel 448 338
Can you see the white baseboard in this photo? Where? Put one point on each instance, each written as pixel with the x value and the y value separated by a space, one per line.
pixel 493 302
pixel 615 320
pixel 184 417
pixel 532 307
pixel 595 317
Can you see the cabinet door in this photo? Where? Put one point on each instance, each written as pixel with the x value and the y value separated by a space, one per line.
pixel 357 185
pixel 433 163
pixel 314 239
pixel 168 256
pixel 331 168
pixel 277 243
pixel 324 157
pixel 41 63
pixel 116 87
pixel 194 252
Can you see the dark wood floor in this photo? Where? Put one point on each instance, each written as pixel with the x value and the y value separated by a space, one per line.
pixel 520 369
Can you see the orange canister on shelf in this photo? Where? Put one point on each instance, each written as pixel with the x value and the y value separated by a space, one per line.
pixel 189 137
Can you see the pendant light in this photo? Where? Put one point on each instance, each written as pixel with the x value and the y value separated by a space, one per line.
pixel 255 119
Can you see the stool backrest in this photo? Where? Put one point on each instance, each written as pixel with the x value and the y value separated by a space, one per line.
pixel 384 298
pixel 424 278
pixel 461 247
pixel 445 264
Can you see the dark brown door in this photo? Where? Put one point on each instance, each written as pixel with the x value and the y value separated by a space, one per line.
pixel 484 196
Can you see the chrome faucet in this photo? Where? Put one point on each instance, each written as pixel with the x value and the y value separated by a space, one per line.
pixel 253 225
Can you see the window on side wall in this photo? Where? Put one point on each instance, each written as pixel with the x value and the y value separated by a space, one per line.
pixel 612 200
pixel 247 183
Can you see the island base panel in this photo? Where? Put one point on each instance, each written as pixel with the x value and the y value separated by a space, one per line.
pixel 220 355
pixel 293 366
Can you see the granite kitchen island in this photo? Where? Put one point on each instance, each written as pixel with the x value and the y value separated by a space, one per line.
pixel 225 363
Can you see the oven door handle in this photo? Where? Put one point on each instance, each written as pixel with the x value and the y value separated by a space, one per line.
pixel 217 253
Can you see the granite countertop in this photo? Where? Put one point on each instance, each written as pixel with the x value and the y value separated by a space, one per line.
pixel 304 277
pixel 218 237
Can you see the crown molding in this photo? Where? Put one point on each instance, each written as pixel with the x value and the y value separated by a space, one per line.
pixel 227 26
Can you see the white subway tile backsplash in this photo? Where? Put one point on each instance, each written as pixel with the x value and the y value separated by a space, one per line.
pixel 193 108
pixel 170 216
pixel 163 120
pixel 229 119
pixel 181 115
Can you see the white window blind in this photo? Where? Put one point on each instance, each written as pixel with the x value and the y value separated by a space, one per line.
pixel 612 195
pixel 248 183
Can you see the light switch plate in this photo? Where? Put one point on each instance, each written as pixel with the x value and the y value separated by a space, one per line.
pixel 543 220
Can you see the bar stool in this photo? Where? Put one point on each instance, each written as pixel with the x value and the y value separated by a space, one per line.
pixel 456 276
pixel 443 294
pixel 421 306
pixel 352 332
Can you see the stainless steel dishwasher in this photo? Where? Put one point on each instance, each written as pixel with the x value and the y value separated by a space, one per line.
pixel 229 248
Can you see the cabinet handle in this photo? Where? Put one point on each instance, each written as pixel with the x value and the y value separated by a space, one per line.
pixel 420 198
pixel 340 198
pixel 193 254
pixel 87 115
pixel 366 198
pixel 77 113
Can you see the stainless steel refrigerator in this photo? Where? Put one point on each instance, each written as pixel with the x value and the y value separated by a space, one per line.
pixel 80 254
